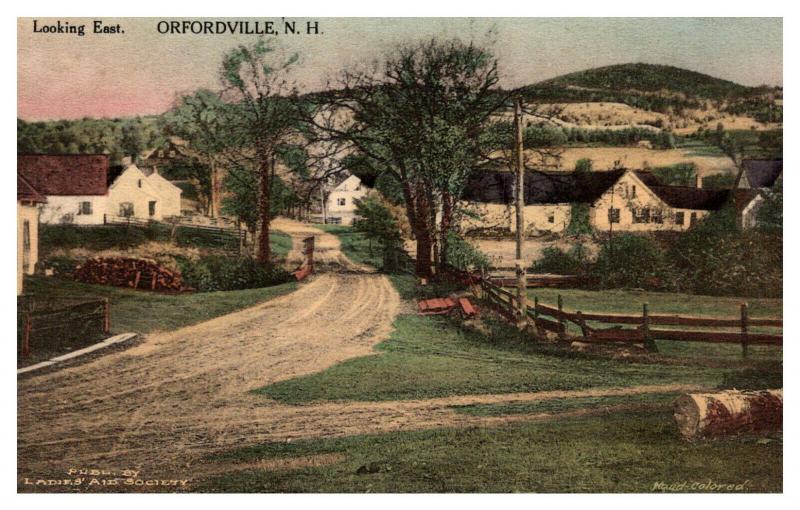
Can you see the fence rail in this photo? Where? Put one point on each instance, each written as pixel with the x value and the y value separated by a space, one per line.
pixel 228 238
pixel 507 304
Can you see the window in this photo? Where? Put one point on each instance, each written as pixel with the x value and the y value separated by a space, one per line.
pixel 341 201
pixel 679 218
pixel 641 215
pixel 26 246
pixel 126 209
pixel 551 218
pixel 658 216
pixel 633 191
pixel 151 208
pixel 693 219
pixel 85 208
pixel 613 215
pixel 335 220
pixel 140 183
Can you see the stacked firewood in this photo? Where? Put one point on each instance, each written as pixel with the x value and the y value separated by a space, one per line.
pixel 128 272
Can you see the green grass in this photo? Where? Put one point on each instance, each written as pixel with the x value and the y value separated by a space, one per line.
pixel 630 302
pixel 145 312
pixel 281 244
pixel 628 452
pixel 559 405
pixel 105 237
pixel 354 245
pixel 431 357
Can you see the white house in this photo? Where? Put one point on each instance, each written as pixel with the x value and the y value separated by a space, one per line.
pixel 29 202
pixel 135 194
pixel 616 200
pixel 75 185
pixel 83 189
pixel 341 206
pixel 170 194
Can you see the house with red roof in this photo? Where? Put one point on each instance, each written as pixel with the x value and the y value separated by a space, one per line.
pixel 83 189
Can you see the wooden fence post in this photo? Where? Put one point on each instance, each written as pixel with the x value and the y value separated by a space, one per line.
pixel 649 343
pixel 563 329
pixel 743 309
pixel 106 316
pixel 26 335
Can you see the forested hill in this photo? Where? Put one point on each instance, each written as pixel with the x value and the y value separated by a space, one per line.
pixel 650 78
pixel 657 88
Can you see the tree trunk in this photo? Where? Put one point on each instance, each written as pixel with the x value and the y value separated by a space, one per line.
pixel 422 231
pixel 728 412
pixel 445 225
pixel 263 249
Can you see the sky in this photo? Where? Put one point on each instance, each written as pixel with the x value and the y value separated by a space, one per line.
pixel 140 71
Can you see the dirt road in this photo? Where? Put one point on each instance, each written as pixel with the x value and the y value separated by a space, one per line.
pixel 160 407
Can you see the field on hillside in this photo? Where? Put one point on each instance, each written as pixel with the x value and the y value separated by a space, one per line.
pixel 604 115
pixel 606 158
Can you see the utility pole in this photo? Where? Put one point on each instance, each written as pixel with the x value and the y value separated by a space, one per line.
pixel 519 195
pixel 322 201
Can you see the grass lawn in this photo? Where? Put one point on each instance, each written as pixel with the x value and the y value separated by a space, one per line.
pixel 281 244
pixel 630 302
pixel 625 452
pixel 560 405
pixel 431 357
pixel 145 312
pixel 354 245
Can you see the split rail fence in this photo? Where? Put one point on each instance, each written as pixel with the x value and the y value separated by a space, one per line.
pixel 230 237
pixel 555 318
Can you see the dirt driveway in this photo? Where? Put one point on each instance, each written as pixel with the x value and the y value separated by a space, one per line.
pixel 159 408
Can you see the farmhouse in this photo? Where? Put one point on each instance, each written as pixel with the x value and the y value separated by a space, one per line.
pixel 75 185
pixel 132 193
pixel 29 202
pixel 616 200
pixel 83 189
pixel 340 205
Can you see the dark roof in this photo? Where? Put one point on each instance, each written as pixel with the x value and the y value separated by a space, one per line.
pixel 114 172
pixel 26 192
pixel 685 197
pixel 546 187
pixel 762 173
pixel 65 174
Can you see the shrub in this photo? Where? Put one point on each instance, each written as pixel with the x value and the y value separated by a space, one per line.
pixel 717 258
pixel 557 261
pixel 579 219
pixel 631 261
pixel 462 255
pixel 218 272
pixel 100 237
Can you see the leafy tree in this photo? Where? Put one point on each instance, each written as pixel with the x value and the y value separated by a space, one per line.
pixel 201 119
pixel 376 222
pixel 261 118
pixel 419 119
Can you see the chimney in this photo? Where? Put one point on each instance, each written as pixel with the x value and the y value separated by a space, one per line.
pixel 698 181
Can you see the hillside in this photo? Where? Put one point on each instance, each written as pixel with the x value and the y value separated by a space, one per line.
pixel 650 78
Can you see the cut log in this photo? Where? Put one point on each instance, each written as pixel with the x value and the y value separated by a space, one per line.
pixel 728 412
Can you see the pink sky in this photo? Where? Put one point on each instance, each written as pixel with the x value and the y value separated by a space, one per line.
pixel 64 76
